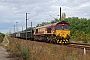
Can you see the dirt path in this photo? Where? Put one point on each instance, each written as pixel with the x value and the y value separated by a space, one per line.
pixel 4 54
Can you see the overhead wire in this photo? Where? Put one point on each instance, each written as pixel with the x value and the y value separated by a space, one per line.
pixel 78 4
pixel 81 2
pixel 54 3
pixel 44 9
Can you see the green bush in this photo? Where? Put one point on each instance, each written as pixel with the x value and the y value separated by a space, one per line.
pixel 85 41
pixel 24 53
pixel 3 35
pixel 1 38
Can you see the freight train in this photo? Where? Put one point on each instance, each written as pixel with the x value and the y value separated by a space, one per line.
pixel 54 33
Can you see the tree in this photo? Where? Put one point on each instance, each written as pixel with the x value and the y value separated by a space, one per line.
pixel 63 16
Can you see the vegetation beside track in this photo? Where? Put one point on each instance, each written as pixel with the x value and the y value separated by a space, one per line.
pixel 32 50
pixel 1 37
pixel 81 37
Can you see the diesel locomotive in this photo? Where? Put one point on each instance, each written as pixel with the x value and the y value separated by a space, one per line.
pixel 55 33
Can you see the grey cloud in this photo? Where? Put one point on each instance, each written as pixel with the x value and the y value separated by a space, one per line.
pixel 12 11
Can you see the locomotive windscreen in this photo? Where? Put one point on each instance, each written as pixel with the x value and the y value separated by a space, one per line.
pixel 66 27
pixel 59 27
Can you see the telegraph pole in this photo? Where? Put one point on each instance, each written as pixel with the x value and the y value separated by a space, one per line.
pixel 26 26
pixel 22 28
pixel 31 30
pixel 10 31
pixel 60 13
pixel 14 28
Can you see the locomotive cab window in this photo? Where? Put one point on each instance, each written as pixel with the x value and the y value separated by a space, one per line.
pixel 48 30
pixel 59 27
pixel 66 27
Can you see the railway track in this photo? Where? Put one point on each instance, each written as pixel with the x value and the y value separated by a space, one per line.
pixel 79 45
pixel 75 45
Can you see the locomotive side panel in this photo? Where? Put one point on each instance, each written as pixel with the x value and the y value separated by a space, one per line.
pixel 44 33
pixel 47 29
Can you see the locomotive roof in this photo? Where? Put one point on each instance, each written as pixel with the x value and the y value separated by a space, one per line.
pixel 49 25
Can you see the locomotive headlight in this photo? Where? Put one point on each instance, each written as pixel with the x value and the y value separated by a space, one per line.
pixel 67 40
pixel 63 40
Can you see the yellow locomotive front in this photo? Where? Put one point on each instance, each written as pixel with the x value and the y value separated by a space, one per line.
pixel 63 33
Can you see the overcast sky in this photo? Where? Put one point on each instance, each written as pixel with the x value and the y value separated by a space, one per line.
pixel 12 11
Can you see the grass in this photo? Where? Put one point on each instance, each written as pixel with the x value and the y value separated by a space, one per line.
pixel 32 50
